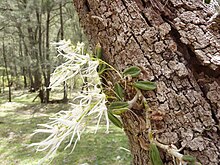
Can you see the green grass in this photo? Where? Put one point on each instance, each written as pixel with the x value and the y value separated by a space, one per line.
pixel 19 119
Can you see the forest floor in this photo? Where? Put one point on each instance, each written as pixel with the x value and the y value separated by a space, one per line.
pixel 18 120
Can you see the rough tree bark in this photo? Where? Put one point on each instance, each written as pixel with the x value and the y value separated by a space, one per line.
pixel 171 41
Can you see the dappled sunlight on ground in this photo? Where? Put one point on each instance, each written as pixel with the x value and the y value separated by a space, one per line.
pixel 18 120
pixel 8 106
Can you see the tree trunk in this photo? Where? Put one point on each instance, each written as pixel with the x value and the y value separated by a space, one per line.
pixel 3 81
pixel 24 77
pixel 61 21
pixel 48 67
pixel 6 71
pixel 171 41
pixel 32 89
pixel 36 69
pixel 23 65
pixel 41 59
pixel 26 59
pixel 65 97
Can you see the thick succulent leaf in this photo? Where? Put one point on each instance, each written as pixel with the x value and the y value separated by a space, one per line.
pixel 98 51
pixel 118 107
pixel 119 111
pixel 119 91
pixel 145 85
pixel 133 71
pixel 207 1
pixel 101 68
pixel 154 155
pixel 189 158
pixel 114 120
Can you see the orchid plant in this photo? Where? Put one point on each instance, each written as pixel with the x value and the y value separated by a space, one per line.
pixel 87 107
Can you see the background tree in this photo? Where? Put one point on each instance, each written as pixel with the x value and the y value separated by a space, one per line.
pixel 6 70
pixel 176 47
pixel 30 27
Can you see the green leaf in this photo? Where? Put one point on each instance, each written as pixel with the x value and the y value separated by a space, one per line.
pixel 119 91
pixel 207 1
pixel 145 85
pixel 118 107
pixel 101 68
pixel 114 120
pixel 119 111
pixel 118 104
pixel 133 71
pixel 154 155
pixel 98 51
pixel 189 158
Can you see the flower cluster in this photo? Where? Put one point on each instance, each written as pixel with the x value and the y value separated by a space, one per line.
pixel 87 108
